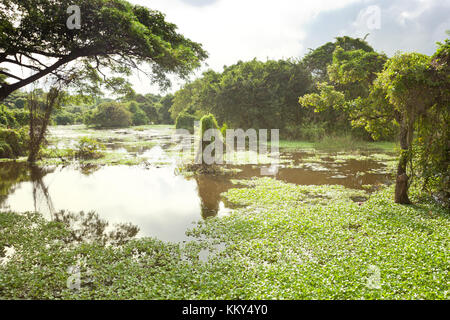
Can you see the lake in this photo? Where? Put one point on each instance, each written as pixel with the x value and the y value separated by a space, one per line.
pixel 154 195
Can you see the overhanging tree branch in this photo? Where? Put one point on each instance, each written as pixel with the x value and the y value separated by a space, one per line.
pixel 5 90
pixel 130 33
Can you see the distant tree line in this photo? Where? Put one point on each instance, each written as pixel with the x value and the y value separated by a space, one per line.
pixel 132 110
pixel 135 109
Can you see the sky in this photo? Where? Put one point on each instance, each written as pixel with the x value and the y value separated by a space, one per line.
pixel 233 30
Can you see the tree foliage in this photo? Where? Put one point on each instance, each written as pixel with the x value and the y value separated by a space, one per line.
pixel 251 94
pixel 342 93
pixel 417 88
pixel 407 93
pixel 318 60
pixel 114 37
pixel 110 115
pixel 185 121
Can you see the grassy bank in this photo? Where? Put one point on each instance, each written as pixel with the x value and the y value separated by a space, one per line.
pixel 283 242
pixel 337 144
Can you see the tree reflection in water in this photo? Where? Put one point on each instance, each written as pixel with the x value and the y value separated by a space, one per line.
pixel 40 190
pixel 11 174
pixel 88 169
pixel 209 189
pixel 86 227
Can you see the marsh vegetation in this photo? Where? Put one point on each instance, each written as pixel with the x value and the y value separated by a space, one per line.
pixel 100 200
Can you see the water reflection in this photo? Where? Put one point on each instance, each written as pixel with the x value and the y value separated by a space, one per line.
pixel 89 227
pixel 12 174
pixel 157 200
pixel 41 195
pixel 209 188
pixel 162 204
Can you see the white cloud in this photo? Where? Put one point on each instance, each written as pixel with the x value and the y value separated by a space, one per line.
pixel 232 30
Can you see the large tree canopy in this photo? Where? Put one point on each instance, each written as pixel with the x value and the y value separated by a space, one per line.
pixel 417 88
pixel 252 94
pixel 115 37
pixel 344 78
pixel 318 60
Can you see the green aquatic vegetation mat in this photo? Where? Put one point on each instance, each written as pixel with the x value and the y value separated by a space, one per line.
pixel 290 145
pixel 334 250
pixel 282 242
pixel 363 157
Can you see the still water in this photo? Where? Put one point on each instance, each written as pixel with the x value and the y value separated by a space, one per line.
pixel 161 202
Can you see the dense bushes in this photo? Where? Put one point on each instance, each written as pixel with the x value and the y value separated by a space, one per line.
pixel 308 132
pixel 149 108
pixel 135 110
pixel 13 142
pixel 13 118
pixel 7 118
pixel 265 95
pixel 139 117
pixel 88 148
pixel 151 112
pixel 70 114
pixel 208 122
pixel 185 121
pixel 110 115
pixel 64 118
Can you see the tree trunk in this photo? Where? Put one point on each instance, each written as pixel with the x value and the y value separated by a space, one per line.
pixel 401 183
pixel 39 122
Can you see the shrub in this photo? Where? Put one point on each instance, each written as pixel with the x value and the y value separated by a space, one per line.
pixel 22 117
pixel 185 121
pixel 64 118
pixel 88 148
pixel 7 118
pixel 223 130
pixel 110 115
pixel 208 122
pixel 140 118
pixel 151 112
pixel 133 106
pixel 309 132
pixel 5 150
pixel 340 142
pixel 13 143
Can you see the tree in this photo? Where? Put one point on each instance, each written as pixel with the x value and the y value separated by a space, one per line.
pixel 185 97
pixel 114 37
pixel 318 60
pixel 166 103
pixel 41 108
pixel 209 129
pixel 140 118
pixel 252 94
pixel 417 88
pixel 185 121
pixel 342 96
pixel 110 115
pixel 151 112
pixel 434 131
